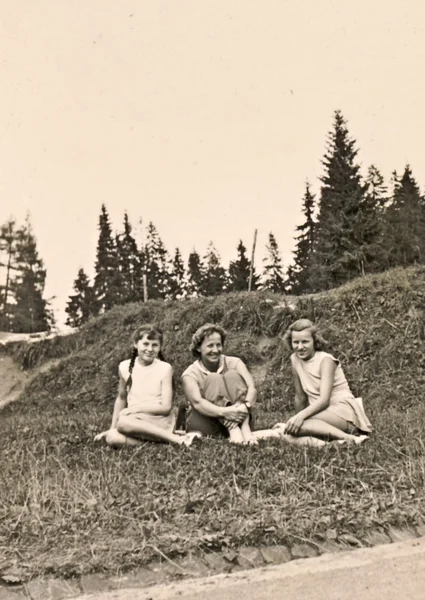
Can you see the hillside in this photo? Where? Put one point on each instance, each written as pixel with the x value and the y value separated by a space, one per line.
pixel 104 510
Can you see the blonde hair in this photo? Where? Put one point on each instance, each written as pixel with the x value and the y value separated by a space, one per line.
pixel 301 325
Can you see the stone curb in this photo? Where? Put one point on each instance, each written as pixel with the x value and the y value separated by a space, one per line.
pixel 211 563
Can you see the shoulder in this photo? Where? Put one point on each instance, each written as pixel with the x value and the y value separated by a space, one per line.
pixel 124 367
pixel 296 363
pixel 320 356
pixel 163 367
pixel 192 370
pixel 162 364
pixel 233 362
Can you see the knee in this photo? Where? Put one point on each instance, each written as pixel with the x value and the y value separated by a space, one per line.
pixel 115 439
pixel 234 377
pixel 123 425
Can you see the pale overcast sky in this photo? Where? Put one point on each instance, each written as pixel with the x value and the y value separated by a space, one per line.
pixel 204 116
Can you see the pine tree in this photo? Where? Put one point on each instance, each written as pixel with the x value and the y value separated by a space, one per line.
pixel 195 275
pixel 157 265
pixel 177 276
pixel 273 271
pixel 215 280
pixel 299 274
pixel 405 223
pixel 8 240
pixel 337 257
pixel 130 264
pixel 370 224
pixel 239 271
pixel 107 282
pixel 29 312
pixel 81 305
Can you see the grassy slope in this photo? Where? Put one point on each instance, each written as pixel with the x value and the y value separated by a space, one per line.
pixel 105 510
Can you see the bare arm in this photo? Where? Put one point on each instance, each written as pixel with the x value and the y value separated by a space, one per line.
pixel 251 395
pixel 120 402
pixel 301 400
pixel 207 408
pixel 327 372
pixel 327 375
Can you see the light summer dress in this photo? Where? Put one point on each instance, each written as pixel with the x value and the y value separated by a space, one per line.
pixel 342 401
pixel 147 387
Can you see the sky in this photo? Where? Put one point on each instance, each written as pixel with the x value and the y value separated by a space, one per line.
pixel 205 117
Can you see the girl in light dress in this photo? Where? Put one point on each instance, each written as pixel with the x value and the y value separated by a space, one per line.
pixel 324 404
pixel 143 407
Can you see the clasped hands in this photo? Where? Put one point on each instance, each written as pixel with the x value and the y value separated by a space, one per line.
pixel 236 412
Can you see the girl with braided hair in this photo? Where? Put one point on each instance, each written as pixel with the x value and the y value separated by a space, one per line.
pixel 143 407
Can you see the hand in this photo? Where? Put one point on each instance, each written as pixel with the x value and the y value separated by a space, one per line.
pixel 293 425
pixel 237 413
pixel 100 436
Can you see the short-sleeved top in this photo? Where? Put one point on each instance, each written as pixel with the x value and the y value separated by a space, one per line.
pixel 199 372
pixel 309 374
pixel 147 381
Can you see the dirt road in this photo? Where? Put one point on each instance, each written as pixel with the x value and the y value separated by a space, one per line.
pixel 386 572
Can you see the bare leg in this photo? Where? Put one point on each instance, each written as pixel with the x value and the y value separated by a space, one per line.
pixel 328 425
pixel 266 434
pixel 235 435
pixel 144 430
pixel 247 433
pixel 118 440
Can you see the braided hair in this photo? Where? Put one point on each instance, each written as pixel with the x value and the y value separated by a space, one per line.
pixel 153 333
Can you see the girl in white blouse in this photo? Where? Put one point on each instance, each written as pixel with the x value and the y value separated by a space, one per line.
pixel 143 407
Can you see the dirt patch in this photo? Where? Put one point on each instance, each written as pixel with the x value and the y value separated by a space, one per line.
pixel 12 380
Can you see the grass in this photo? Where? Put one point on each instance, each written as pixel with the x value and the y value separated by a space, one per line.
pixel 68 506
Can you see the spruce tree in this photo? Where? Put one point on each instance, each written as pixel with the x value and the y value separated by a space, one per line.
pixel 239 271
pixel 337 257
pixel 130 264
pixel 8 251
pixel 81 305
pixel 195 275
pixel 157 265
pixel 107 282
pixel 405 223
pixel 29 312
pixel 299 274
pixel 370 224
pixel 273 271
pixel 215 280
pixel 177 276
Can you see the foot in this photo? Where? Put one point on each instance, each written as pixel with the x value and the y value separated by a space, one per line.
pixel 360 439
pixel 353 439
pixel 189 438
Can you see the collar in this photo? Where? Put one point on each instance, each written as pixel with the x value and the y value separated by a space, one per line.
pixel 204 369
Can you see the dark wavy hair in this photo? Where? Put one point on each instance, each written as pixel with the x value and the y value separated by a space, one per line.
pixel 203 332
pixel 300 325
pixel 153 333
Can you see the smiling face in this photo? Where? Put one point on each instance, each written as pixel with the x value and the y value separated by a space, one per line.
pixel 148 349
pixel 303 344
pixel 211 350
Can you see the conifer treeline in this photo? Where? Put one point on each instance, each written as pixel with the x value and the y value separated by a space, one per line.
pixel 127 270
pixel 355 227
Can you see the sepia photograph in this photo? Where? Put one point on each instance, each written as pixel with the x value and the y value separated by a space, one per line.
pixel 212 300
